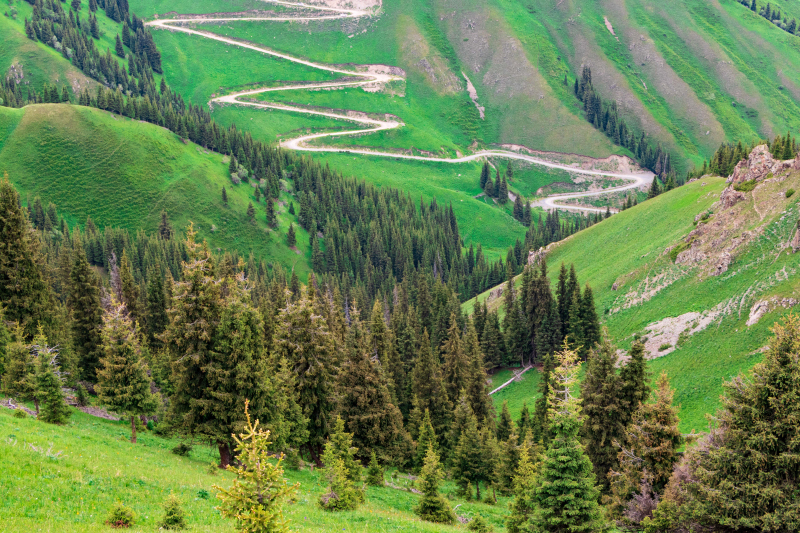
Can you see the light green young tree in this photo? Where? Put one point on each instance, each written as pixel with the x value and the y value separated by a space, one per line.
pixel 256 498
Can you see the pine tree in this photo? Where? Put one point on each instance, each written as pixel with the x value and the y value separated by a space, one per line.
pixel 508 462
pixel 123 381
pixel 251 213
pixel 375 423
pixel 432 506
pixel 156 319
pixel 49 382
pixel 224 196
pixel 524 424
pixel 288 427
pixel 541 417
pixel 339 448
pixel 164 227
pixel 468 458
pixel 130 291
pixel 87 316
pixel 19 379
pixel 303 338
pixel 272 221
pixel 502 191
pixel 291 239
pixel 118 48
pixel 565 496
pixel 649 450
pixel 485 176
pixel 634 389
pixel 745 473
pixel 602 427
pixel 456 364
pixel 524 492
pixel 75 5
pixel 256 498
pixel 506 426
pixel 425 440
pixel 23 291
pixel 429 388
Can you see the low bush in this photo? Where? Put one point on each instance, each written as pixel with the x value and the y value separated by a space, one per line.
pixel 182 449
pixel 745 186
pixel 121 516
pixel 789 193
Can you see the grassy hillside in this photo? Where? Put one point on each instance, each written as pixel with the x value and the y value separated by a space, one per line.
pixel 637 284
pixel 89 465
pixel 123 173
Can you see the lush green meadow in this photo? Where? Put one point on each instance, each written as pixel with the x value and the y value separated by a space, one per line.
pixel 66 478
pixel 123 173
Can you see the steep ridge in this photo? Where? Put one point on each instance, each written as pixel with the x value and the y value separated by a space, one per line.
pixel 700 272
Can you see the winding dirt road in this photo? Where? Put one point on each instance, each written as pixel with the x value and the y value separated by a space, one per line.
pixel 369 125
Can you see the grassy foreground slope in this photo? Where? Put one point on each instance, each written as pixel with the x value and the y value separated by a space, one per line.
pixel 89 465
pixel 637 284
pixel 123 173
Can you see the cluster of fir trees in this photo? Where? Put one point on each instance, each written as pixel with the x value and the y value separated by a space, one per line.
pixel 11 94
pixel 727 156
pixel 605 117
pixel 773 14
pixel 537 322
pixel 496 188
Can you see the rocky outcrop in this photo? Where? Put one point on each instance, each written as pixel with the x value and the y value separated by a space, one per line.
pixel 495 294
pixel 730 197
pixel 759 165
pixel 762 307
pixel 796 241
pixel 535 257
pixel 690 256
pixel 722 264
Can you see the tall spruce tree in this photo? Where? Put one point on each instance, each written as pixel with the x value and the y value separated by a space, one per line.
pixel 602 427
pixel 156 320
pixel 565 496
pixel 363 398
pixel 541 412
pixel 468 461
pixel 304 339
pixel 746 474
pixel 635 386
pixel 23 291
pixel 87 315
pixel 429 388
pixel 524 489
pixel 506 426
pixel 123 380
pixel 647 453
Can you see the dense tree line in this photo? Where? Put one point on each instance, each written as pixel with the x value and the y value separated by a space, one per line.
pixel 728 155
pixel 773 14
pixel 605 117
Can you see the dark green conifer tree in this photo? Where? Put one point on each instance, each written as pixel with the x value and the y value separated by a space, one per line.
pixel 156 318
pixel 49 383
pixel 87 315
pixel 272 220
pixel 565 496
pixel 602 427
pixel 23 291
pixel 635 379
pixel 426 439
pixel 291 238
pixel 118 48
pixel 432 506
pixel 123 380
pixel 506 426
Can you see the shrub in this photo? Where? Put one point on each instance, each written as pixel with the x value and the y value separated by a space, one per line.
pixel 746 186
pixel 81 396
pixel 203 494
pixel 182 449
pixel 677 249
pixel 173 514
pixel 789 193
pixel 375 472
pixel 20 413
pixel 665 346
pixel 121 516
pixel 479 524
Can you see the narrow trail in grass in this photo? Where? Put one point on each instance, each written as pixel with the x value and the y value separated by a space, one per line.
pixel 374 77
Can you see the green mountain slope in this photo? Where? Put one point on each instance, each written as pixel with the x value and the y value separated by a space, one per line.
pixel 123 173
pixel 695 322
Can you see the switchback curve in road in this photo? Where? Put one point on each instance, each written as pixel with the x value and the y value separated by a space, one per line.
pixel 368 125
